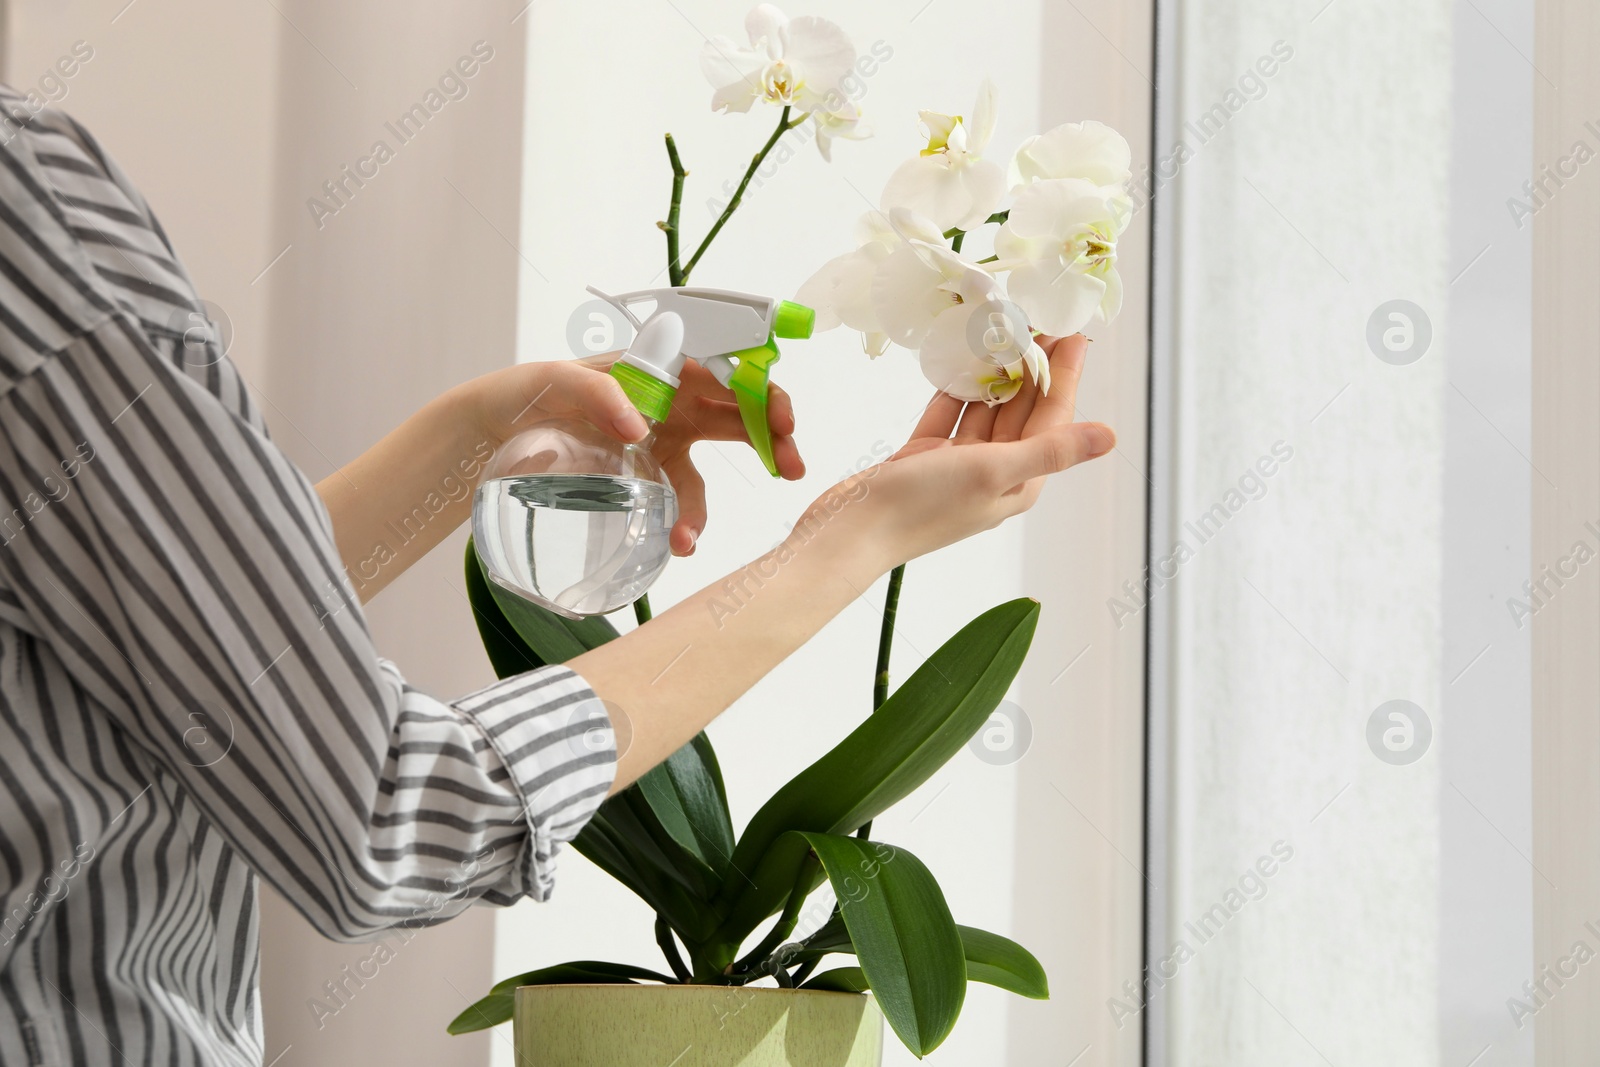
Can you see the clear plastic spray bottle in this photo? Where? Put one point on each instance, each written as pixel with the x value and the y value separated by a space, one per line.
pixel 578 522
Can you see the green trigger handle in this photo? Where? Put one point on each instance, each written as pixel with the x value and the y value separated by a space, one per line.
pixel 749 384
pixel 750 377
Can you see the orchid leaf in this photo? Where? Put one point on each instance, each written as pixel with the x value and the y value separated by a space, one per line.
pixel 497 1007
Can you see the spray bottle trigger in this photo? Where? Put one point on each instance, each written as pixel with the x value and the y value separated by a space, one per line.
pixel 749 384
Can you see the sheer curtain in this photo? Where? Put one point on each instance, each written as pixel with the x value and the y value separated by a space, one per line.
pixel 1340 732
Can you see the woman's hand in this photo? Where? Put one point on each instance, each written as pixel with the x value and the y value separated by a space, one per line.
pixel 966 468
pixel 513 399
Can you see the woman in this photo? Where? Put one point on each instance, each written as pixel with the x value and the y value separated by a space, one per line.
pixel 190 698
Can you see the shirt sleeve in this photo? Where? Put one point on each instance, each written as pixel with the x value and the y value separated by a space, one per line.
pixel 185 572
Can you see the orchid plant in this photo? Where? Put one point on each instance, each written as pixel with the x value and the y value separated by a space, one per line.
pixel 731 909
pixel 908 283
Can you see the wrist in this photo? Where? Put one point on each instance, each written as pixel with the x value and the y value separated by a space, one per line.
pixel 473 409
pixel 838 534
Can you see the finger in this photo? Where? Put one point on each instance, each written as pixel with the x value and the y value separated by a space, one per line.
pixel 703 419
pixel 700 384
pixel 780 411
pixel 1013 416
pixel 691 491
pixel 938 418
pixel 1052 451
pixel 600 360
pixel 786 453
pixel 1067 356
pixel 977 423
pixel 568 388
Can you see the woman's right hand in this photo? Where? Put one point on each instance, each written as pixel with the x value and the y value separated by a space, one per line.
pixel 966 468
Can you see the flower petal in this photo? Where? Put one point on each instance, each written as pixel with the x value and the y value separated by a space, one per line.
pixel 1057 300
pixel 734 73
pixel 905 224
pixel 948 192
pixel 1058 208
pixel 926 186
pixel 821 54
pixel 907 296
pixel 1111 303
pixel 766 23
pixel 985 186
pixel 845 123
pixel 1010 246
pixel 1089 150
pixel 948 362
pixel 938 126
pixel 1038 364
pixel 983 118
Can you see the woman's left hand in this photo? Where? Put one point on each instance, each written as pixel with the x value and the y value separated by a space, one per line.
pixel 511 400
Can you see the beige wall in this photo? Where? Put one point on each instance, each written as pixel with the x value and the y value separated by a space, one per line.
pixel 1080 812
pixel 1566 449
pixel 228 117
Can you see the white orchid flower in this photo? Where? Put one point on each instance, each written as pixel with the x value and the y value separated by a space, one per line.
pixel 840 292
pixel 842 122
pixel 950 182
pixel 789 62
pixel 1060 245
pixel 977 350
pixel 1089 150
pixel 916 283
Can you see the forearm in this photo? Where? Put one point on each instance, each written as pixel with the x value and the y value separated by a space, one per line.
pixel 665 681
pixel 405 494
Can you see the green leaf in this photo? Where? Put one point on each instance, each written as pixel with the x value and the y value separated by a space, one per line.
pixel 496 1008
pixel 508 653
pixel 616 850
pixel 831 936
pixel 916 731
pixel 840 980
pixel 632 816
pixel 991 959
pixel 688 797
pixel 1000 961
pixel 638 848
pixel 544 635
pixel 903 933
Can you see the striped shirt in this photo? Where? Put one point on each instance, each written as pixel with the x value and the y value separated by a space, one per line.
pixel 189 694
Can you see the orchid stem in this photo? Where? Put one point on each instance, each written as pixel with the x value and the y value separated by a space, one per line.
pixel 675 273
pixel 997 217
pixel 738 196
pixel 760 957
pixel 891 605
pixel 880 681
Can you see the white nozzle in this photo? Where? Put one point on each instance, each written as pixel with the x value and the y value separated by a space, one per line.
pixel 658 350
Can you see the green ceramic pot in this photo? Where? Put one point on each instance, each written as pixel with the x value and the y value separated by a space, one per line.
pixel 694 1026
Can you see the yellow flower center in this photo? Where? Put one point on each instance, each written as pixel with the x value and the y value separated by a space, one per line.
pixel 779 84
pixel 1093 250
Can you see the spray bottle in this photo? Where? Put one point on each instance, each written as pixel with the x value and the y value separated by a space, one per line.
pixel 578 522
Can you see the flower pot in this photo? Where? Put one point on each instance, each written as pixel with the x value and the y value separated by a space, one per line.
pixel 694 1026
